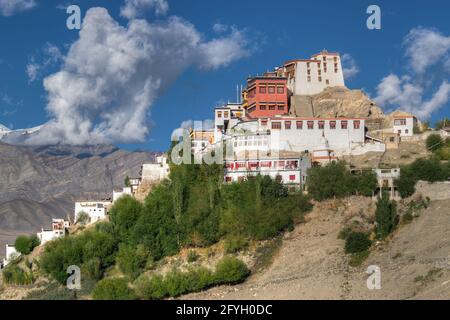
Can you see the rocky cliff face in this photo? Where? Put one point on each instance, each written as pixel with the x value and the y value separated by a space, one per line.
pixel 337 102
pixel 38 183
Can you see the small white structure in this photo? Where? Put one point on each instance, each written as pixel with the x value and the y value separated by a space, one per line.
pixel 155 172
pixel 404 125
pixel 96 210
pixel 226 117
pixel 11 254
pixel 58 230
pixel 134 184
pixel 119 194
pixel 312 76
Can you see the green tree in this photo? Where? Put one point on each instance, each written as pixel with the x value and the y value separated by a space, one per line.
pixel 385 216
pixel 127 182
pixel 132 260
pixel 124 215
pixel 357 242
pixel 231 270
pixel 25 244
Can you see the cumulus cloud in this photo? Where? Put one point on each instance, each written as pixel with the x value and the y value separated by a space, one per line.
pixel 113 74
pixel 349 66
pixel 51 55
pixel 137 8
pixel 424 87
pixel 11 7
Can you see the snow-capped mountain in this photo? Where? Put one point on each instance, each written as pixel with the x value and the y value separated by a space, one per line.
pixel 17 136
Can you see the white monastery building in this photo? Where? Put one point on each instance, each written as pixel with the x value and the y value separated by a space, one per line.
pixel 96 210
pixel 58 230
pixel 404 125
pixel 312 76
pixel 11 254
pixel 154 172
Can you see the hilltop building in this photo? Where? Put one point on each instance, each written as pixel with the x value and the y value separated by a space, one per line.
pixel 155 172
pixel 59 229
pixel 11 254
pixel 404 125
pixel 96 210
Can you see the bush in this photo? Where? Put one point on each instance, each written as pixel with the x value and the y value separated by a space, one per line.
pixel 25 245
pixel 357 242
pixel 151 288
pixel 231 270
pixel 192 256
pixel 385 216
pixel 235 244
pixel 83 218
pixel 132 260
pixel 13 274
pixel 113 289
pixel 434 142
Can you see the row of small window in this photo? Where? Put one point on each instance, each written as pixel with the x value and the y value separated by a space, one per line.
pixel 400 122
pixel 279 164
pixel 225 114
pixel 320 80
pixel 319 71
pixel 278 178
pixel 310 124
pixel 263 107
pixel 267 89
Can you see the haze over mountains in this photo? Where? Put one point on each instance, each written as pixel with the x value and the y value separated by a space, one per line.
pixel 40 183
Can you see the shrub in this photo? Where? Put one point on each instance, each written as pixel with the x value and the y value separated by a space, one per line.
pixel 385 216
pixel 112 289
pixel 132 260
pixel 235 244
pixel 434 142
pixel 25 245
pixel 124 215
pixel 357 242
pixel 192 256
pixel 151 288
pixel 83 218
pixel 13 274
pixel 231 270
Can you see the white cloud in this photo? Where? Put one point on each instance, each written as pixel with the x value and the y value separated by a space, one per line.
pixel 113 74
pixel 51 55
pixel 219 27
pixel 421 90
pixel 136 8
pixel 11 7
pixel 349 66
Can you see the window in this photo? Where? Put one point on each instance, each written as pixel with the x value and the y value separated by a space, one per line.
pixel 272 107
pixel 264 122
pixel 320 79
pixel 321 124
pixel 287 125
pixel 324 58
pixel 320 72
pixel 276 125
pixel 309 78
pixel 263 107
pixel 280 108
pixel 327 81
pixel 279 178
pixel 310 124
pixel 332 124
pixel 228 179
pixel 219 114
pixel 336 70
pixel 271 89
pixel 262 89
pixel 292 177
pixel 280 89
pixel 356 124
pixel 225 114
pixel 406 131
pixel 400 122
pixel 392 139
pixel 307 64
pixel 299 124
pixel 344 124
pixel 309 72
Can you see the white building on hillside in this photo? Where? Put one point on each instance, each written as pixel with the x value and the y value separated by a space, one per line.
pixel 11 254
pixel 226 117
pixel 127 191
pixel 404 125
pixel 155 172
pixel 58 230
pixel 96 210
pixel 312 76
pixel 342 136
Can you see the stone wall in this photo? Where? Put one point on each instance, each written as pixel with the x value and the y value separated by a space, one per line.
pixel 435 191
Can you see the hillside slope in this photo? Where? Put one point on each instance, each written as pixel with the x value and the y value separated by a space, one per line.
pixel 38 183
pixel 415 262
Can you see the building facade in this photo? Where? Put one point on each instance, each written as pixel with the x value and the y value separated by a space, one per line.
pixel 155 172
pixel 96 210
pixel 266 96
pixel 312 76
pixel 404 125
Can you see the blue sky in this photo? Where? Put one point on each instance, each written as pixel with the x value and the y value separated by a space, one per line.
pixel 274 32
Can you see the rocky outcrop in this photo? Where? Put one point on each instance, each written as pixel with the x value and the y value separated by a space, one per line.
pixel 337 102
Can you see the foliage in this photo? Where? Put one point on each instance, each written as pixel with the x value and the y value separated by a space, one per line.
pixel 127 181
pixel 132 260
pixel 13 274
pixel 113 289
pixel 434 142
pixel 231 270
pixel 124 215
pixel 82 218
pixel 442 123
pixel 357 242
pixel 334 180
pixel 235 244
pixel 25 245
pixel 358 258
pixel 385 216
pixel 192 256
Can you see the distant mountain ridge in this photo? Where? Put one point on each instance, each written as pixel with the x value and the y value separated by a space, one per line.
pixel 38 183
